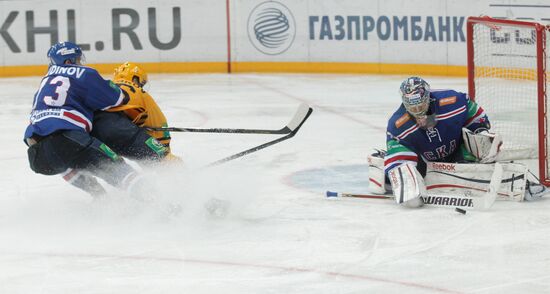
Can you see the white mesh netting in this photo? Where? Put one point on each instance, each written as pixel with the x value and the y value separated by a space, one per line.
pixel 505 60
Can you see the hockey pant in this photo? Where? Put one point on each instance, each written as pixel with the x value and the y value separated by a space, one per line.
pixel 125 138
pixel 72 149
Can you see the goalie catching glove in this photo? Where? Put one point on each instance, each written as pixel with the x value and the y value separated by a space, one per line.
pixel 484 146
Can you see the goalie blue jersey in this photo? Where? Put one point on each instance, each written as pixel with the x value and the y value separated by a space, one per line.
pixel 67 98
pixel 406 141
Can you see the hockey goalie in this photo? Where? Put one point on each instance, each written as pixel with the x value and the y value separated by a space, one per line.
pixel 440 141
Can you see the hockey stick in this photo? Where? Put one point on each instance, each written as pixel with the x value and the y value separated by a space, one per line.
pixel 260 147
pixel 429 199
pixel 478 203
pixel 291 126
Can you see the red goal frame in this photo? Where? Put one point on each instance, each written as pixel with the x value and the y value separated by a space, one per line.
pixel 543 160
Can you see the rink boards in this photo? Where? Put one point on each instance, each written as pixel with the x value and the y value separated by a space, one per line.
pixel 395 37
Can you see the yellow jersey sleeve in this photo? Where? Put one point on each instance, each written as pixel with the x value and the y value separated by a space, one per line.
pixel 155 118
pixel 143 111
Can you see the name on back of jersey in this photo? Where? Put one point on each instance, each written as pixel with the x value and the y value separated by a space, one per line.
pixel 66 70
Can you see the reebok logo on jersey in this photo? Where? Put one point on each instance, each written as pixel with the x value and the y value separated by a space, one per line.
pixel 402 120
pixel 447 101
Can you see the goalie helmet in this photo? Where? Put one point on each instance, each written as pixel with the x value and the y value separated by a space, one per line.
pixel 63 51
pixel 131 73
pixel 415 94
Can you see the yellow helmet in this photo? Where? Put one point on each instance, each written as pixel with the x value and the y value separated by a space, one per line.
pixel 131 73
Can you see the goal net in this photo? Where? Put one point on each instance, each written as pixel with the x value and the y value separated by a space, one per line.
pixel 508 77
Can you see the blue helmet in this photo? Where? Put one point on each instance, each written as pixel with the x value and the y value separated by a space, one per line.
pixel 63 51
pixel 415 94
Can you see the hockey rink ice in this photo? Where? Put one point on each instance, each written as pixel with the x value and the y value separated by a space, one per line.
pixel 281 235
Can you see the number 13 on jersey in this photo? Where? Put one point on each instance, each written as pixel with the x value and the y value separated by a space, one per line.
pixel 53 91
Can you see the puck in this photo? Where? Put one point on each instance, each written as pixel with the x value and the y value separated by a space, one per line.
pixel 460 210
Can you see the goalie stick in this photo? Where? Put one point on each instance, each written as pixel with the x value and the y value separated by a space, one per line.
pixel 477 203
pixel 298 125
pixel 298 117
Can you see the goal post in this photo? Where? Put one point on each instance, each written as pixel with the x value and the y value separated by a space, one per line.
pixel 508 77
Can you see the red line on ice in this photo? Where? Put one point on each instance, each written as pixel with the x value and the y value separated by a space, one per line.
pixel 263 266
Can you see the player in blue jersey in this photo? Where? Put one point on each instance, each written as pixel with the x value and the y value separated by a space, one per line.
pixel 58 135
pixel 430 126
pixel 120 127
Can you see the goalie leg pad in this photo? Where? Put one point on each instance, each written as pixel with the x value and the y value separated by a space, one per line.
pixel 377 177
pixel 407 185
pixel 472 179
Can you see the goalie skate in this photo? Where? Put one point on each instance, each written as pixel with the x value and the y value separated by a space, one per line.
pixel 534 191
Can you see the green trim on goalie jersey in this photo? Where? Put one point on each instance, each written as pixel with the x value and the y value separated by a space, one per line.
pixel 394 146
pixel 472 108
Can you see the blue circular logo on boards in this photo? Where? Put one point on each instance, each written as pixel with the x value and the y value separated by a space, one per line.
pixel 271 28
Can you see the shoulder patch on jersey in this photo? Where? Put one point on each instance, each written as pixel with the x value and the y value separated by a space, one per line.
pixel 402 120
pixel 447 101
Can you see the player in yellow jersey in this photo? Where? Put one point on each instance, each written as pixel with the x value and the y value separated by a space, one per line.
pixel 122 128
pixel 141 108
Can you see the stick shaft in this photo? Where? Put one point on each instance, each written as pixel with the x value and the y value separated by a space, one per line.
pixel 262 146
pixel 251 150
pixel 298 117
pixel 282 131
pixel 369 196
pixel 441 200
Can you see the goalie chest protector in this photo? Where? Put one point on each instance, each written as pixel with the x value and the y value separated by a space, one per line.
pixel 440 141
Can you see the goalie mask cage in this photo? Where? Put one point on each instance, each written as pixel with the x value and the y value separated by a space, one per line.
pixel 507 76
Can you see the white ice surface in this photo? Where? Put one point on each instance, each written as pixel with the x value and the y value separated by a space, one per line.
pixel 282 235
